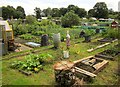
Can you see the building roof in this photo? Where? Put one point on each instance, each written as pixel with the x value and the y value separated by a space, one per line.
pixel 114 22
pixel 7 26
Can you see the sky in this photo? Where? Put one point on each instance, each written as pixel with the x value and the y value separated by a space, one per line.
pixel 29 5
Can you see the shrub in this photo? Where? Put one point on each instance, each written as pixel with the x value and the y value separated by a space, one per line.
pixel 21 29
pixel 111 33
pixel 70 19
pixel 30 19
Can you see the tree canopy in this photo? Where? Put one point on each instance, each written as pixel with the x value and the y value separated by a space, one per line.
pixel 100 10
pixel 38 13
pixel 10 12
pixel 70 19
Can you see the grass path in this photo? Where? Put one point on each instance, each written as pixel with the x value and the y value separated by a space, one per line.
pixel 46 77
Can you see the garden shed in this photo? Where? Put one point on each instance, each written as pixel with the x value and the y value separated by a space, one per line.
pixel 114 24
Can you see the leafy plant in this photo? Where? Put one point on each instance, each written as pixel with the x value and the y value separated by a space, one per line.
pixel 32 62
pixel 111 33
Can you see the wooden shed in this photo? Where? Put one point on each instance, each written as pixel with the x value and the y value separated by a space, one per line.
pixel 114 24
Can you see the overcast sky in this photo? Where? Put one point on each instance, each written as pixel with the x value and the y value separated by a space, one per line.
pixel 29 5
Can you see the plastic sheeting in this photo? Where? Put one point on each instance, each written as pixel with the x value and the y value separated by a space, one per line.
pixel 32 44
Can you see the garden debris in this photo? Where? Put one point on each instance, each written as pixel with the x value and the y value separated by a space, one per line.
pixel 22 47
pixel 91 64
pixel 25 72
pixel 98 65
pixel 63 65
pixel 100 46
pixel 84 68
pixel 85 72
pixel 64 73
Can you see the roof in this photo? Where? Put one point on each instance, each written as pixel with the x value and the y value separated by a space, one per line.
pixel 114 22
pixel 7 26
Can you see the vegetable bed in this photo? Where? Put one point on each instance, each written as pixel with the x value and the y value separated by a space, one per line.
pixel 108 54
pixel 32 63
pixel 106 40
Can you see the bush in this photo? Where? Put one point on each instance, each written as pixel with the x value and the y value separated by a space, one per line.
pixel 21 29
pixel 70 19
pixel 111 33
pixel 30 19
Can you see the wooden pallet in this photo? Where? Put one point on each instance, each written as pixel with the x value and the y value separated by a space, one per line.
pixel 85 72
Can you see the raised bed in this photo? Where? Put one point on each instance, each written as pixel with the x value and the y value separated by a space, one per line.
pixel 100 46
pixel 108 54
pixel 106 40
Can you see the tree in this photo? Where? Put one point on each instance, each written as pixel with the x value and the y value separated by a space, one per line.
pixel 47 12
pixel 81 12
pixel 63 11
pixel 91 13
pixel 8 12
pixel 70 19
pixel 55 12
pixel 72 7
pixel 100 10
pixel 38 13
pixel 111 11
pixel 20 12
pixel 5 14
pixel 30 19
pixel 11 12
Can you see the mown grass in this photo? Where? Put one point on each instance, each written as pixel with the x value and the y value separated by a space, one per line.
pixel 46 76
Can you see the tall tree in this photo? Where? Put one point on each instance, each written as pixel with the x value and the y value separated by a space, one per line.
pixel 70 19
pixel 81 12
pixel 8 12
pixel 101 10
pixel 111 11
pixel 63 11
pixel 72 7
pixel 47 12
pixel 5 12
pixel 20 11
pixel 38 12
pixel 91 13
pixel 55 12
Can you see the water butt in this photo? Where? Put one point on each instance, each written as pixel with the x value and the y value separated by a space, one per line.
pixel 97 31
pixel 87 38
pixel 44 40
pixel 56 40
